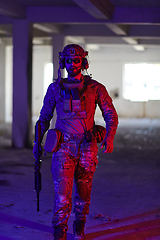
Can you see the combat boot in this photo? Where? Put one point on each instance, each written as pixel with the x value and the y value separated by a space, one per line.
pixel 78 229
pixel 60 233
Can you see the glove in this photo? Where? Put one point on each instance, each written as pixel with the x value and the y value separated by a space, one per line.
pixel 108 144
pixel 35 149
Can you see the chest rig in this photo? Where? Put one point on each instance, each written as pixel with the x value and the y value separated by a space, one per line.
pixel 72 101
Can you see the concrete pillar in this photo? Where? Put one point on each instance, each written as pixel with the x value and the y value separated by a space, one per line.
pixel 22 84
pixel 58 45
pixel 8 83
pixel 2 82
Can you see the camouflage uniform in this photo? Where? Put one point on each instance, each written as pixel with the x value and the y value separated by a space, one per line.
pixel 76 155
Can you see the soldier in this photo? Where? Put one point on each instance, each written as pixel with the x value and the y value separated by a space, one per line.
pixel 75 144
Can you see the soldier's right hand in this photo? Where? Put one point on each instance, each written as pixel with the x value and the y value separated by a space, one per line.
pixel 108 144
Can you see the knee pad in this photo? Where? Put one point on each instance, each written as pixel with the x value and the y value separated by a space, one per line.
pixel 84 189
pixel 63 188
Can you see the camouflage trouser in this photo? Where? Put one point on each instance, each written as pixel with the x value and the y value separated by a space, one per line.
pixel 74 160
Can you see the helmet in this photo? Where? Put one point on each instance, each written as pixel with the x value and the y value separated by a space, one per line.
pixel 73 50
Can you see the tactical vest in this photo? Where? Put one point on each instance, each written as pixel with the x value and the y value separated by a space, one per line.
pixel 72 103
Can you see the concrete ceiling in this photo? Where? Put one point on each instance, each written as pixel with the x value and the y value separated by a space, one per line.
pixel 102 22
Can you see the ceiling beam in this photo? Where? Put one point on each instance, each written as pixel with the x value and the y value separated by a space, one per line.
pixel 99 9
pixel 152 42
pixel 147 31
pixel 130 40
pixel 3 31
pixel 139 47
pixel 5 20
pixel 6 30
pixel 121 15
pixel 104 40
pixel 102 30
pixel 118 29
pixel 134 15
pixel 87 30
pixel 12 8
pixel 77 40
pixel 48 28
pixel 59 15
pixel 37 33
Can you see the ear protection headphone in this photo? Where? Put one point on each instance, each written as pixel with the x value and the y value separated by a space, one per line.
pixel 85 64
pixel 62 63
pixel 73 50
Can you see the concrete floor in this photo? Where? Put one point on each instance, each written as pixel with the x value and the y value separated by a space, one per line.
pixel 125 201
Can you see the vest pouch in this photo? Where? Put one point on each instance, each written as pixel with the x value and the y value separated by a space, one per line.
pixel 99 133
pixel 66 100
pixel 52 140
pixel 76 105
pixel 67 105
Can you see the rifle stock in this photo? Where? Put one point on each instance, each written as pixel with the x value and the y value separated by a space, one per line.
pixel 37 160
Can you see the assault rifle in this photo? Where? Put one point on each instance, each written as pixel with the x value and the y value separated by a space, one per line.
pixel 37 155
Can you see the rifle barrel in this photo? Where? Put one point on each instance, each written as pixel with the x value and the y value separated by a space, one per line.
pixel 37 160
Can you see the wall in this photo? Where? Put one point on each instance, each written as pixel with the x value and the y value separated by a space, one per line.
pixel 41 56
pixel 2 82
pixel 106 66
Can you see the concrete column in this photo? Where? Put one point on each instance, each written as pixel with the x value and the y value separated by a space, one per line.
pixel 22 84
pixel 58 45
pixel 2 82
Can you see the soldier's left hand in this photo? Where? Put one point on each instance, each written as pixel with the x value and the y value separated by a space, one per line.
pixel 108 144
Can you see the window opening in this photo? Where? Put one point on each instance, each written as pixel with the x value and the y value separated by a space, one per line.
pixel 142 81
pixel 48 76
